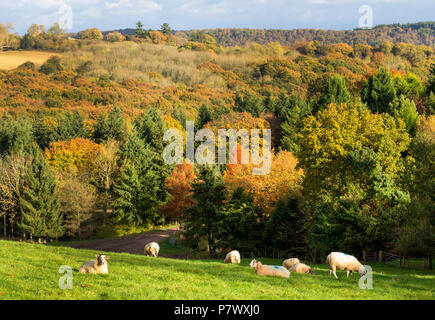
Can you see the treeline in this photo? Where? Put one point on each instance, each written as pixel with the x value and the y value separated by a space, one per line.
pixel 54 38
pixel 415 33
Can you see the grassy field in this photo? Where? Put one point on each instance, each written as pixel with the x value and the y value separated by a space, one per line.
pixel 12 59
pixel 31 272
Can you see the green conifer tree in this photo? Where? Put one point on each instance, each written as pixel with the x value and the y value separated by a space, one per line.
pixel 378 92
pixel 39 205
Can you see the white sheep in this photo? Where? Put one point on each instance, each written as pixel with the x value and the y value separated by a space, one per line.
pixel 96 266
pixel 152 249
pixel 288 263
pixel 343 261
pixel 265 270
pixel 232 257
pixel 301 268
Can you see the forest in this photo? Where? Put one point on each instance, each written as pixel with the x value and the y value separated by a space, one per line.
pixel 81 138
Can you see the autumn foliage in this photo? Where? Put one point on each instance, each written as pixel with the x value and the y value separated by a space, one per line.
pixel 282 181
pixel 179 188
pixel 71 155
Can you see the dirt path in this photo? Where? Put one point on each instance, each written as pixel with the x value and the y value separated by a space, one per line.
pixel 131 244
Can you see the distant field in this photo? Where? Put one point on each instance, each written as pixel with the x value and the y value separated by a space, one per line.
pixel 12 59
pixel 31 272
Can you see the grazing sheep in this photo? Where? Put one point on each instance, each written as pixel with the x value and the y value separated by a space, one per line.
pixel 265 270
pixel 96 266
pixel 232 257
pixel 288 263
pixel 301 268
pixel 152 249
pixel 343 261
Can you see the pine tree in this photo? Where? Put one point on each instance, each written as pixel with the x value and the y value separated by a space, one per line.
pixel 15 135
pixel 42 133
pixel 378 92
pixel 165 29
pixel 126 206
pixel 110 126
pixel 39 205
pixel 71 125
pixel 288 219
pixel 249 102
pixel 334 91
pixel 140 190
pixel 140 32
pixel 204 117
pixel 240 226
pixel 209 195
pixel 150 127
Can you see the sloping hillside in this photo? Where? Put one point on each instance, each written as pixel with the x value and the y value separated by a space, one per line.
pixel 31 272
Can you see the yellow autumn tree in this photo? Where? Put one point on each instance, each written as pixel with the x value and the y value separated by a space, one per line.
pixel 74 154
pixel 282 181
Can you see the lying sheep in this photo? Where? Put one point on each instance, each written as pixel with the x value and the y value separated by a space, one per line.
pixel 152 249
pixel 232 257
pixel 96 266
pixel 343 261
pixel 301 268
pixel 265 270
pixel 288 263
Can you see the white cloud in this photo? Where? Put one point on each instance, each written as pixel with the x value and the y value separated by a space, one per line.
pixel 146 6
pixel 118 4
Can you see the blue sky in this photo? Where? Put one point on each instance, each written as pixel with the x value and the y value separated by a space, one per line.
pixel 199 14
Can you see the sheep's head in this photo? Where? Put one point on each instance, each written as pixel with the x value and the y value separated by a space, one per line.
pixel 102 259
pixel 362 271
pixel 311 271
pixel 253 263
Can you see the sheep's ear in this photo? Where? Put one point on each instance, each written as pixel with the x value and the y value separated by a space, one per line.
pixel 97 255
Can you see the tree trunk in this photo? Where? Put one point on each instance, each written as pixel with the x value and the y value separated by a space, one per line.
pixel 430 262
pixel 79 227
pixel 11 223
pixel 4 226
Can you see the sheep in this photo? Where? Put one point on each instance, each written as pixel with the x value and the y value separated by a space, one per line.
pixel 288 263
pixel 343 261
pixel 152 249
pixel 232 257
pixel 301 268
pixel 96 266
pixel 265 270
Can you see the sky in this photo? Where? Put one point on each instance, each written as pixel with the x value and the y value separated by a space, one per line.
pixel 77 15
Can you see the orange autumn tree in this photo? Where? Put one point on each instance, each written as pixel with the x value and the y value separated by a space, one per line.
pixel 282 181
pixel 178 186
pixel 70 155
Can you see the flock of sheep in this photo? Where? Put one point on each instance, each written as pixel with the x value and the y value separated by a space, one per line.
pixel 336 260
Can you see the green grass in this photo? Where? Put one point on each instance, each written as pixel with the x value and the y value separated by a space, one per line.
pixel 31 272
pixel 167 248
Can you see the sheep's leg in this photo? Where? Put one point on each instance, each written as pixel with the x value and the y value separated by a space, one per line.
pixel 348 273
pixel 351 273
pixel 330 272
pixel 334 272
